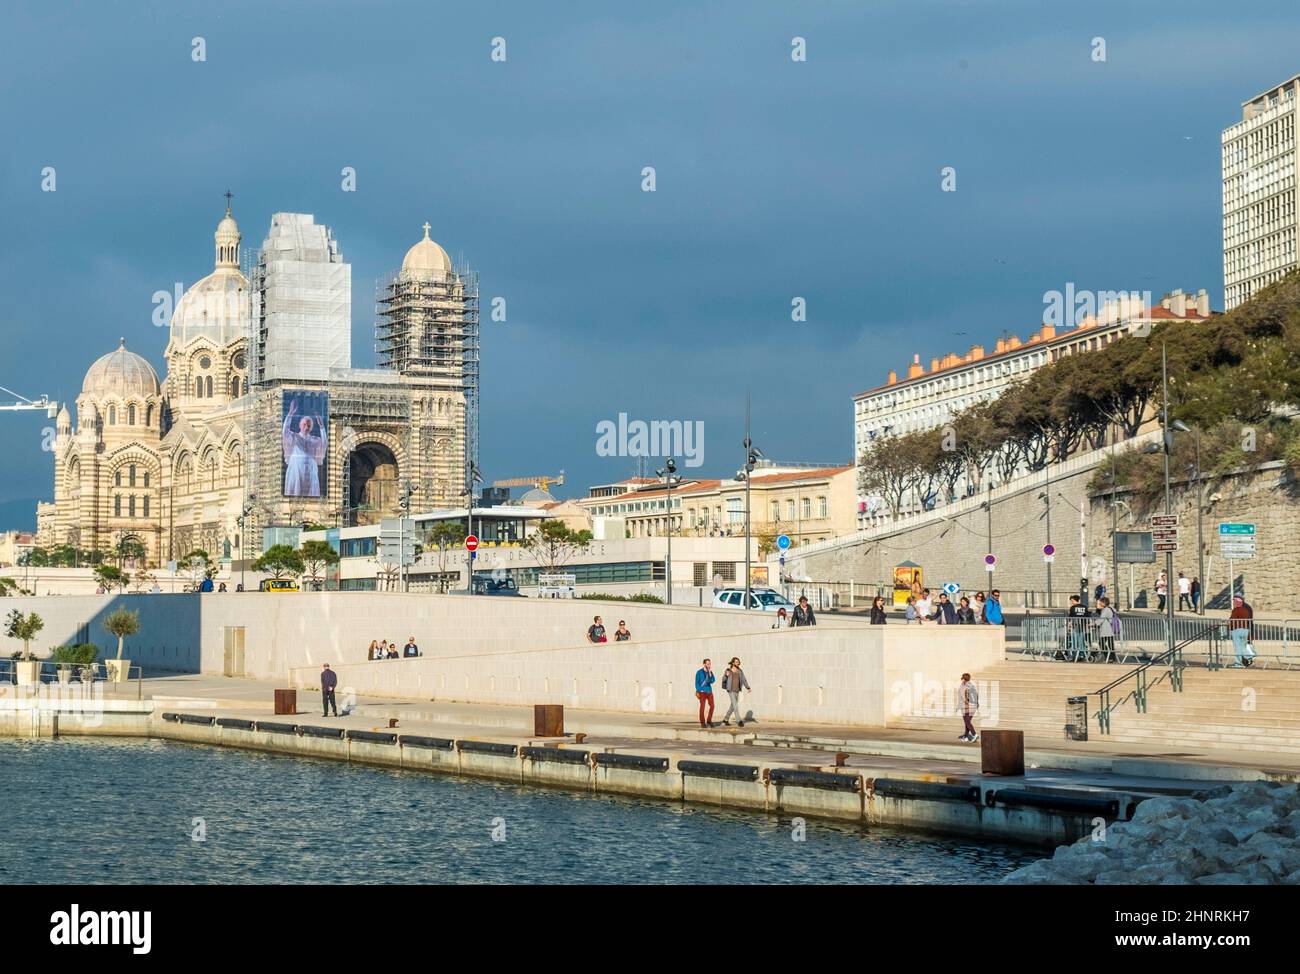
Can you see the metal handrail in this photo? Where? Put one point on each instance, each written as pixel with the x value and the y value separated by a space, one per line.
pixel 1173 657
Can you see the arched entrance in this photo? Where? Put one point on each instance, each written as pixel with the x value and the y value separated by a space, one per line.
pixel 372 483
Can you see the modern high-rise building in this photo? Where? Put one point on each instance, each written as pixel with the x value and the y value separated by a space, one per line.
pixel 1259 193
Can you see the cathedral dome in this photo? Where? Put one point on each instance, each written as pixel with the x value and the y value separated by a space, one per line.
pixel 120 374
pixel 426 261
pixel 218 306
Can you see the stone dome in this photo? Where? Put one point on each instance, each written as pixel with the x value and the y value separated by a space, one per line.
pixel 120 374
pixel 426 261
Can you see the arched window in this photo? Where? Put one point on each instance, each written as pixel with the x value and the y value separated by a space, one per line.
pixel 146 500
pixel 131 506
pixel 148 415
pixel 146 478
pixel 117 478
pixel 130 475
pixel 198 387
pixel 112 415
pixel 209 387
pixel 117 505
pixel 130 415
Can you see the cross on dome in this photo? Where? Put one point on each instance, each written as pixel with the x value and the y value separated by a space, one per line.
pixel 426 229
pixel 229 196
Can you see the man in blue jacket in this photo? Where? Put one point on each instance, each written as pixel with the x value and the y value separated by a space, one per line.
pixel 704 691
pixel 993 608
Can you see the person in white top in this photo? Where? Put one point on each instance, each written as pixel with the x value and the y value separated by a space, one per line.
pixel 968 702
pixel 923 607
pixel 1184 591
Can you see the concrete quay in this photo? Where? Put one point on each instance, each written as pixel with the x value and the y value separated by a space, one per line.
pixel 909 779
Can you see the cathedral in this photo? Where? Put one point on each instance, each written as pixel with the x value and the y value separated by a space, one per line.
pixel 261 425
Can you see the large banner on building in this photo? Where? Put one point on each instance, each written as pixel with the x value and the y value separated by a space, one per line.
pixel 305 436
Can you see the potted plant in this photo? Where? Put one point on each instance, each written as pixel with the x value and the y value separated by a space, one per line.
pixel 80 656
pixel 120 623
pixel 25 626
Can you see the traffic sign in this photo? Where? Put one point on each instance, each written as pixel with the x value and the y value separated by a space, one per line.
pixel 783 541
pixel 952 588
pixel 1164 521
pixel 990 561
pixel 1226 529
pixel 471 543
pixel 1048 552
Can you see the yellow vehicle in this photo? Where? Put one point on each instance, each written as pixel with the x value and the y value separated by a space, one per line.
pixel 277 585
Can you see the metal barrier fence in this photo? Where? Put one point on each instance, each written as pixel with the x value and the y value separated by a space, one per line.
pixel 82 675
pixel 858 595
pixel 1143 637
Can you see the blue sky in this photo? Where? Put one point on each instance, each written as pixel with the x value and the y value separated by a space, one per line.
pixel 775 179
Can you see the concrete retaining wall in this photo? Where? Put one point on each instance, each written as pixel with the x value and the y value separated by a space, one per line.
pixel 814 675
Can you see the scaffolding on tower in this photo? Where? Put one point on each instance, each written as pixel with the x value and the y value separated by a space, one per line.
pixel 431 328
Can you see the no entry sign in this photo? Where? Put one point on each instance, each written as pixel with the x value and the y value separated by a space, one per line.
pixel 471 543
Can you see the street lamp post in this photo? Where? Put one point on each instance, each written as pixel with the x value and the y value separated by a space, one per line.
pixel 243 517
pixel 1167 437
pixel 1046 497
pixel 404 506
pixel 667 475
pixel 1194 472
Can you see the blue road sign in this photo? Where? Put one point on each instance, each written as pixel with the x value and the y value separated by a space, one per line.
pixel 952 588
pixel 783 541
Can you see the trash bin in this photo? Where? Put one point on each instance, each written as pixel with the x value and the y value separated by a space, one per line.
pixel 1076 719
pixel 286 702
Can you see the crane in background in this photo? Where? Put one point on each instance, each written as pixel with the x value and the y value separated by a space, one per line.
pixel 541 482
pixel 22 402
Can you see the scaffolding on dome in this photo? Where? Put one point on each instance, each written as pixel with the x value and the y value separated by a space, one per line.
pixel 431 328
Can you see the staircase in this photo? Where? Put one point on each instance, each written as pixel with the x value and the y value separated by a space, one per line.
pixel 1209 713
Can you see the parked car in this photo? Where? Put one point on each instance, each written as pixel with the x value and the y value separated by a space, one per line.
pixel 488 585
pixel 762 599
pixel 277 585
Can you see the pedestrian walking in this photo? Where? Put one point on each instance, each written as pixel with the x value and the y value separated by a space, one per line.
pixel 373 652
pixel 1196 595
pixel 1077 627
pixel 1239 629
pixel 979 606
pixel 968 702
pixel 878 611
pixel 410 649
pixel 596 631
pixel 622 634
pixel 704 692
pixel 1162 590
pixel 1184 592
pixel 1108 627
pixel 782 620
pixel 803 613
pixel 909 610
pixel 328 681
pixel 734 682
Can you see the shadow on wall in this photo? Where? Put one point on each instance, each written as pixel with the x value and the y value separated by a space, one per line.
pixel 168 640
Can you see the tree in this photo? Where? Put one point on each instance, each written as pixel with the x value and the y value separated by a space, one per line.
pixel 199 563
pixel 766 537
pixel 25 627
pixel 122 623
pixel 279 560
pixel 143 580
pixel 7 585
pixel 315 556
pixel 110 576
pixel 446 536
pixel 554 543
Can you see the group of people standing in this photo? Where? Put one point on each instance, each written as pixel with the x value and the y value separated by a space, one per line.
pixel 387 650
pixel 922 607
